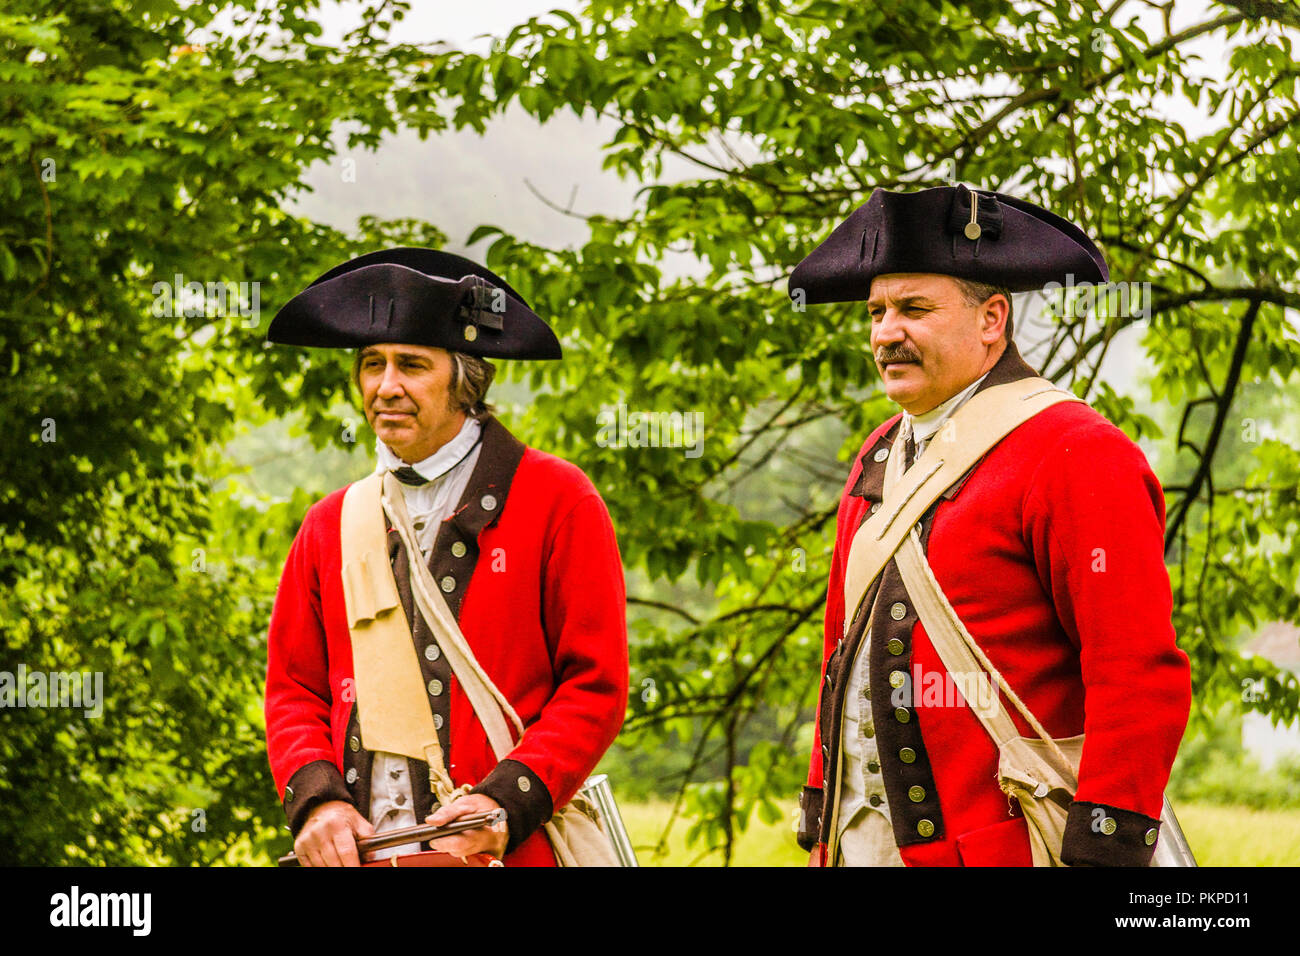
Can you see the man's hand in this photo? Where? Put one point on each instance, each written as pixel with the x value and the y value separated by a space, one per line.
pixel 329 835
pixel 490 840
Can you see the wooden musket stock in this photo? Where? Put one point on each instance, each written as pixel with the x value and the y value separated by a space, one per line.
pixel 424 831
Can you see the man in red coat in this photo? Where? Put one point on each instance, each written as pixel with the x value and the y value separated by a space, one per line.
pixel 1049 549
pixel 520 545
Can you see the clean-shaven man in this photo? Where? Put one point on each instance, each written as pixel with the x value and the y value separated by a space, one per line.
pixel 518 543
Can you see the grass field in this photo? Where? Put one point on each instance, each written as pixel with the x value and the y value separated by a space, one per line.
pixel 1219 836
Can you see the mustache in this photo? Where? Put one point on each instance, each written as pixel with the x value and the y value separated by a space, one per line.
pixel 896 353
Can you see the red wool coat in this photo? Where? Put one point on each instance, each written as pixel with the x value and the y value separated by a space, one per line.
pixel 1051 552
pixel 539 593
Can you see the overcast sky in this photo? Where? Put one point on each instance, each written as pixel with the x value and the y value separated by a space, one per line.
pixel 460 180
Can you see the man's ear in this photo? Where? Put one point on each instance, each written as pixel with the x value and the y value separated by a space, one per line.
pixel 994 315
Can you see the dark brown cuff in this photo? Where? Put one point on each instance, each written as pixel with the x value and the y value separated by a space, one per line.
pixel 810 817
pixel 1101 835
pixel 525 798
pixel 313 783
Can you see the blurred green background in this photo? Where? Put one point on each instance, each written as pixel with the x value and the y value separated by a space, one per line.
pixel 646 174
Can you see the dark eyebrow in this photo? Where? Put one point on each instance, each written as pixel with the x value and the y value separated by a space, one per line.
pixel 369 351
pixel 906 301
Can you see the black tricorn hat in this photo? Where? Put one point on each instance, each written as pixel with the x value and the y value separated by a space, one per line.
pixel 950 230
pixel 415 296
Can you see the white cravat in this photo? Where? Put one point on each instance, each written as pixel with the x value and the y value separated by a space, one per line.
pixel 448 470
pixel 923 427
pixel 866 835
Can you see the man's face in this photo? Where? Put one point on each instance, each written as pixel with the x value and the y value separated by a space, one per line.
pixel 405 390
pixel 928 342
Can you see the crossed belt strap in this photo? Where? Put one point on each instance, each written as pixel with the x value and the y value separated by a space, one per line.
pixel 392 706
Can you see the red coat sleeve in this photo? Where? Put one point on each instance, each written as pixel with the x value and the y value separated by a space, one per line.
pixel 1094 520
pixel 298 695
pixel 585 622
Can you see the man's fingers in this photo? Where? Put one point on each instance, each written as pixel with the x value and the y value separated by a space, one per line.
pixel 329 852
pixel 346 847
pixel 445 815
pixel 459 846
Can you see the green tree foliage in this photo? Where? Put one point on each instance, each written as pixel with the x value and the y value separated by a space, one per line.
pixel 788 114
pixel 137 145
pixel 176 146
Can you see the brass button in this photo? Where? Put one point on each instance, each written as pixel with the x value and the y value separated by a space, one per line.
pixel 916 794
pixel 471 333
pixel 524 784
pixel 874 800
pixel 458 549
pixel 448 584
pixel 1150 837
pixel 873 767
pixel 925 828
pixel 881 454
pixel 875 506
pixel 351 775
pixel 419 526
pixel 869 729
pixel 400 800
pixel 895 646
pixel 488 502
pixel 354 742
pixel 437 721
pixel 907 755
pixel 902 714
pixel 898 610
pixel 435 687
pixel 1108 825
pixel 288 794
pixel 432 652
pixel 897 678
